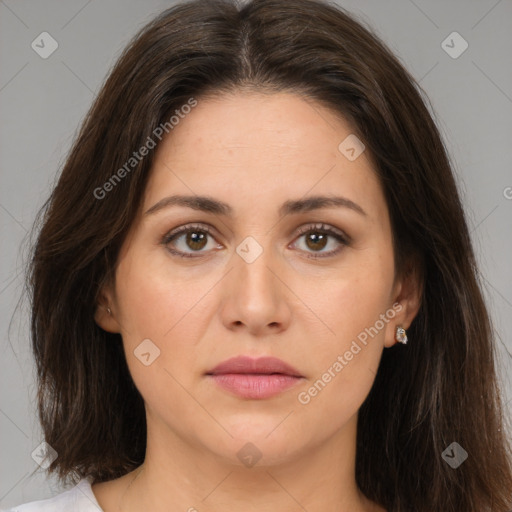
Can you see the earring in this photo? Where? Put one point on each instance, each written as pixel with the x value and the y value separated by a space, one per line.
pixel 109 311
pixel 401 335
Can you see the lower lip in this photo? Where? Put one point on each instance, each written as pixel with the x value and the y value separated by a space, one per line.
pixel 255 386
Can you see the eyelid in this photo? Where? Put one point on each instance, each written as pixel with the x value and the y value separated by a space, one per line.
pixel 187 227
pixel 327 228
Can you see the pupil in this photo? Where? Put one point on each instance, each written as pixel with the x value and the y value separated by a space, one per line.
pixel 316 238
pixel 196 240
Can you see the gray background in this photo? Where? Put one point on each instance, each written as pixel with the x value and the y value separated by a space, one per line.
pixel 42 102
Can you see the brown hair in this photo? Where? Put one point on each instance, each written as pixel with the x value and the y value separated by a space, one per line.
pixel 440 388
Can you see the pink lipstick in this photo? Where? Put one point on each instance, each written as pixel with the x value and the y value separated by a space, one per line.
pixel 259 378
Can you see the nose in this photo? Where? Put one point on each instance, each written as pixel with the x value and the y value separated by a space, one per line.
pixel 256 296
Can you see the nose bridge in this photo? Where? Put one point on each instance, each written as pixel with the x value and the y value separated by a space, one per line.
pixel 255 259
pixel 256 297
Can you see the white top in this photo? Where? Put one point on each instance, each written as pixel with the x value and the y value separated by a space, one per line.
pixel 79 498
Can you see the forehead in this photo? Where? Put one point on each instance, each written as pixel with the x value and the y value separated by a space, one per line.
pixel 249 148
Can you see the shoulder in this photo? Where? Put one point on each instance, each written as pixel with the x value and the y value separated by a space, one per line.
pixel 79 498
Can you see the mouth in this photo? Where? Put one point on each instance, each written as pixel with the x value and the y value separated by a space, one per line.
pixel 251 366
pixel 250 378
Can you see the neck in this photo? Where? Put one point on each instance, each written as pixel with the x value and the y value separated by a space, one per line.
pixel 188 477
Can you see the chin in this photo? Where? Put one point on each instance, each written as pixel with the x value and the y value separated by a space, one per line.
pixel 256 442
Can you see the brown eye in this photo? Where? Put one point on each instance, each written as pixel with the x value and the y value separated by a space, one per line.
pixel 316 241
pixel 318 237
pixel 187 240
pixel 196 240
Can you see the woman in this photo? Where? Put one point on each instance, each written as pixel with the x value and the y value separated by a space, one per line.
pixel 254 284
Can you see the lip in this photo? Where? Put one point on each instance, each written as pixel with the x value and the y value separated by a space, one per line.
pixel 251 378
pixel 250 365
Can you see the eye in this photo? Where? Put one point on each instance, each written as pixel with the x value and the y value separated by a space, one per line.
pixel 193 237
pixel 316 238
pixel 189 239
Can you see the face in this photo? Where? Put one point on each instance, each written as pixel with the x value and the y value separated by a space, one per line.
pixel 258 270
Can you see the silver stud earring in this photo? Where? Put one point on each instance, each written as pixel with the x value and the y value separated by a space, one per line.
pixel 109 311
pixel 401 335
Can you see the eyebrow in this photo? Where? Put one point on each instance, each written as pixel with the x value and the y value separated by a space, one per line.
pixel 210 205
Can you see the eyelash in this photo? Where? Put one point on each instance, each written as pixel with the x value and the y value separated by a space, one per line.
pixel 203 228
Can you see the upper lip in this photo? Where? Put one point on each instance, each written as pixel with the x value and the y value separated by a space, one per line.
pixel 249 365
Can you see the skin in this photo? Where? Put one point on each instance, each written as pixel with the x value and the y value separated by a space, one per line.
pixel 254 152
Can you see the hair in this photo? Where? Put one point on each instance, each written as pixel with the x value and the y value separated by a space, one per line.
pixel 440 388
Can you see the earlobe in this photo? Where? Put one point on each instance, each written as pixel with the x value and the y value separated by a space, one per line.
pixel 104 315
pixel 104 318
pixel 408 293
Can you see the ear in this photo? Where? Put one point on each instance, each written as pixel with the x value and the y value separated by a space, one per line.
pixel 407 293
pixel 105 314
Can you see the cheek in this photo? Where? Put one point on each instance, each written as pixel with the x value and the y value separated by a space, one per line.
pixel 168 309
pixel 345 361
pixel 354 313
pixel 350 300
pixel 153 301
